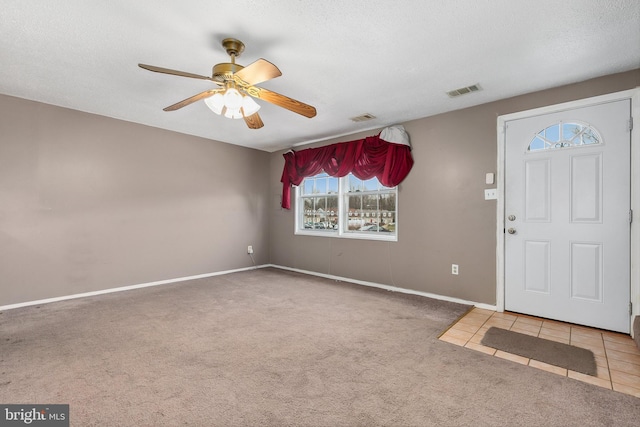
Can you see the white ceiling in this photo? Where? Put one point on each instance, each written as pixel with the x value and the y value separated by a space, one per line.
pixel 395 59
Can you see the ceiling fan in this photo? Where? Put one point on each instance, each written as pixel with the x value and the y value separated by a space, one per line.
pixel 233 96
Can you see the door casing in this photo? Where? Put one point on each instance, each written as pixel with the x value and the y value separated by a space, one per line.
pixel 634 95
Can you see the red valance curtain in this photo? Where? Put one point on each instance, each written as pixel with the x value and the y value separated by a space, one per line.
pixel 390 162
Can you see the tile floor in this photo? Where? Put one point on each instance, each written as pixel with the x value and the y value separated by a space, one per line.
pixel 617 357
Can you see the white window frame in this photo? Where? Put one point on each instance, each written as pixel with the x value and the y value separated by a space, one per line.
pixel 340 233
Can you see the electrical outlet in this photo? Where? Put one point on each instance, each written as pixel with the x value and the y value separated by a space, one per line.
pixel 249 249
pixel 454 269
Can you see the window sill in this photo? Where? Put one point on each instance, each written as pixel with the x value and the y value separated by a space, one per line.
pixel 350 235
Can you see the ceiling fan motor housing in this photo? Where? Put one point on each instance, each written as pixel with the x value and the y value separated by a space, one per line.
pixel 224 72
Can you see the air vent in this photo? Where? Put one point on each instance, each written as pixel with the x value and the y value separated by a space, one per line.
pixel 363 117
pixel 464 90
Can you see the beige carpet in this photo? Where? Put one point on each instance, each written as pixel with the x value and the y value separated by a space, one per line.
pixel 274 348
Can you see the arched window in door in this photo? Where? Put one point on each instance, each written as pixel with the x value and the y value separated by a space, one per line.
pixel 564 135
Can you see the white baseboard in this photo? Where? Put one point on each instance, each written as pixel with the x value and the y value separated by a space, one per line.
pixel 124 288
pixel 388 288
pixel 220 273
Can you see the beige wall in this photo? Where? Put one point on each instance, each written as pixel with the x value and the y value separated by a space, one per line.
pixel 442 215
pixel 89 203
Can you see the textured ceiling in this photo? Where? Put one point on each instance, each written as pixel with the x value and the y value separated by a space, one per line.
pixel 393 59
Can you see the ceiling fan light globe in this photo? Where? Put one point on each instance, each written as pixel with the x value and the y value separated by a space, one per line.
pixel 233 113
pixel 233 99
pixel 249 106
pixel 215 103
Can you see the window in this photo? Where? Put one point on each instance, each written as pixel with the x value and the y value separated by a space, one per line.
pixel 346 207
pixel 564 135
pixel 319 202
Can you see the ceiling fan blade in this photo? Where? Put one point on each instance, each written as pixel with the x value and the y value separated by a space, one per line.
pixel 281 100
pixel 191 100
pixel 173 72
pixel 253 121
pixel 257 72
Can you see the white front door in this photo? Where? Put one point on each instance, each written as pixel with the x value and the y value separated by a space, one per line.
pixel 567 215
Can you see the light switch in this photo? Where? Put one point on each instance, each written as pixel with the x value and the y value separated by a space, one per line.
pixel 489 178
pixel 490 194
